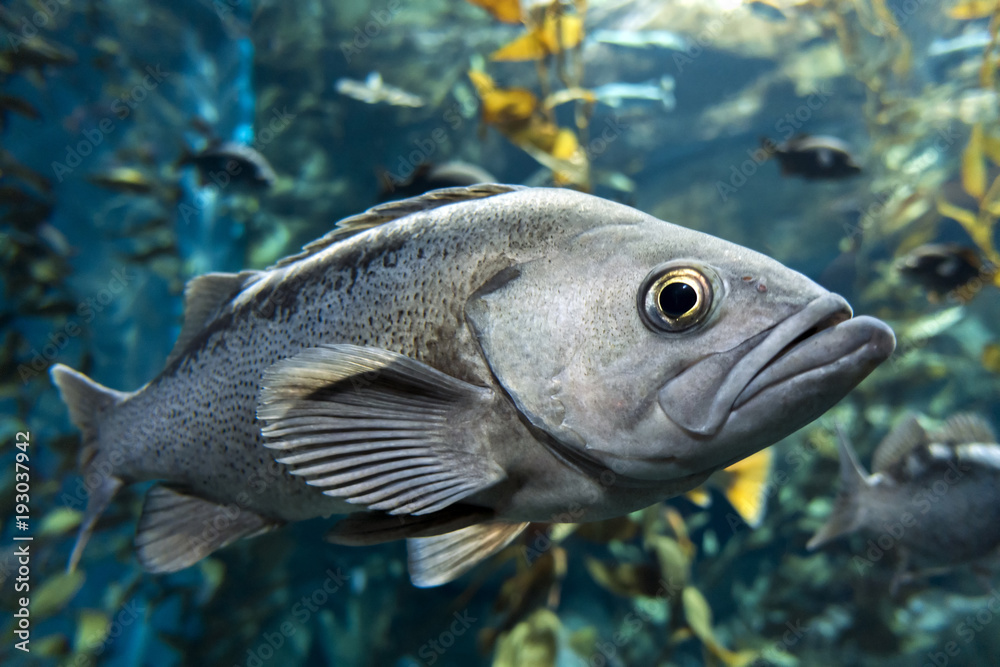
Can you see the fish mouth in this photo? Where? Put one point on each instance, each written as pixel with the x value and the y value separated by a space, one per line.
pixel 834 338
pixel 820 336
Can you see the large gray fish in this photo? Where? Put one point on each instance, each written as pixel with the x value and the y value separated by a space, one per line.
pixel 459 364
pixel 935 495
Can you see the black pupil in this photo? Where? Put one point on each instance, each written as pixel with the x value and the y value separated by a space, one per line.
pixel 676 299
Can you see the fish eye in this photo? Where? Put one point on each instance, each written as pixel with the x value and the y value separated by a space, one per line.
pixel 675 298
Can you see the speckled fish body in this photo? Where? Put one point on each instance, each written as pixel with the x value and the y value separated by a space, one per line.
pixel 458 364
pixel 936 493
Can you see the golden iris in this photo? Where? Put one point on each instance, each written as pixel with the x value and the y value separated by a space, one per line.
pixel 675 299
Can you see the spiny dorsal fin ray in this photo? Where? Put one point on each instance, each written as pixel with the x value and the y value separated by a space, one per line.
pixel 377 428
pixel 204 297
pixel 437 560
pixel 394 210
pixel 177 529
pixel 965 428
pixel 901 440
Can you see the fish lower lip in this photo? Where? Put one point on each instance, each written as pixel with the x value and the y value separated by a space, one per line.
pixel 822 345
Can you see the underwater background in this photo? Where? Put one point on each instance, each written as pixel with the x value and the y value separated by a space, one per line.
pixel 109 112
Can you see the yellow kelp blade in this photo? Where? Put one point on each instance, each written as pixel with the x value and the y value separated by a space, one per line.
pixel 991 357
pixel 744 484
pixel 502 106
pixel 556 148
pixel 980 227
pixel 93 626
pixel 991 200
pixel 991 147
pixel 515 112
pixel 560 33
pixel 534 642
pixel 557 34
pixel 508 11
pixel 698 616
pixel 525 47
pixel 974 164
pixel 628 580
pixel 973 9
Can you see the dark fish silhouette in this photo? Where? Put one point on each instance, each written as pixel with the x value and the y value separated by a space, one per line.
pixel 941 268
pixel 227 162
pixel 427 177
pixel 813 157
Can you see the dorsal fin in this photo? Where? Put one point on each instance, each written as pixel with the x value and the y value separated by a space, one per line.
pixel 394 210
pixel 903 439
pixel 204 297
pixel 965 428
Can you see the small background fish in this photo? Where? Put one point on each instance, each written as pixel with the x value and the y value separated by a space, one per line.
pixel 936 493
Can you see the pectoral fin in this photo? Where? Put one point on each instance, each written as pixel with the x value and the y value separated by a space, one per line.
pixel 377 428
pixel 437 560
pixel 177 530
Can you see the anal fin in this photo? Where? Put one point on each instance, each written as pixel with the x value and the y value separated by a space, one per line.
pixel 177 530
pixel 437 560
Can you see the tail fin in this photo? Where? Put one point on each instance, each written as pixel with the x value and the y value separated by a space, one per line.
pixel 89 403
pixel 846 515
